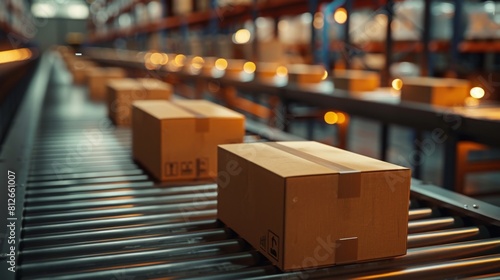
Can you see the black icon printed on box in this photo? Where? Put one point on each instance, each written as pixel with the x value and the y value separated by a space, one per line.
pixel 171 169
pixel 202 166
pixel 273 241
pixel 187 168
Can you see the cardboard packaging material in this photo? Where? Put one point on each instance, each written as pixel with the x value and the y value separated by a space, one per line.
pixel 308 205
pixel 122 92
pixel 306 74
pixel 435 91
pixel 356 80
pixel 178 140
pixel 98 78
pixel 234 67
pixel 79 69
pixel 266 69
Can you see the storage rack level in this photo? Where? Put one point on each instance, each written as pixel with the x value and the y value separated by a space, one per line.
pixel 100 216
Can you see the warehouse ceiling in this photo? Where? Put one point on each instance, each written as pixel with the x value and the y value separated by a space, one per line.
pixel 70 9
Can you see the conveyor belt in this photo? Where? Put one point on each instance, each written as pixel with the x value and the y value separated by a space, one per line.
pixel 92 213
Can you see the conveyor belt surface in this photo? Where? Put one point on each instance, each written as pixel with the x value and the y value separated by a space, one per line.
pixel 92 213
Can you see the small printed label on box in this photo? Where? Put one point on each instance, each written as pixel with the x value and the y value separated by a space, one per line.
pixel 202 166
pixel 171 169
pixel 187 168
pixel 273 241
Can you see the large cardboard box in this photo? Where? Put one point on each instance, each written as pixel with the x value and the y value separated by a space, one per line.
pixel 178 140
pixel 308 205
pixel 435 91
pixel 306 74
pixel 98 78
pixel 356 80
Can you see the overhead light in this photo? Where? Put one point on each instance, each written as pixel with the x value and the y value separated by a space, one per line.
pixel 15 55
pixel 241 36
pixel 44 9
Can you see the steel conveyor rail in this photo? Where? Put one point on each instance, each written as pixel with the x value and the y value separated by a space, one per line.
pixel 92 213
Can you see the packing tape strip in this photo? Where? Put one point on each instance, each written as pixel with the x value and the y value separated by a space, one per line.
pixel 346 250
pixel 349 182
pixel 202 122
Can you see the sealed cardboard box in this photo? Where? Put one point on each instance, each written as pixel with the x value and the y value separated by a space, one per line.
pixel 356 80
pixel 308 205
pixel 435 91
pixel 98 78
pixel 267 69
pixel 178 140
pixel 122 92
pixel 79 69
pixel 306 74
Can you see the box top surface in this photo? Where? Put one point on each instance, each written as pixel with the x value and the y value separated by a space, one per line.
pixel 429 81
pixel 124 84
pixel 154 84
pixel 182 109
pixel 355 74
pixel 306 158
pixel 101 71
pixel 305 69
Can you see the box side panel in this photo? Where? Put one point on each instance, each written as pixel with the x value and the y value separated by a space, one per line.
pixel 179 149
pixel 416 93
pixel 311 221
pixel 251 202
pixel 379 217
pixel 450 95
pixel 213 132
pixel 146 141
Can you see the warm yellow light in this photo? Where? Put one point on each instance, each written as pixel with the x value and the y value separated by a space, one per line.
pixel 249 67
pixel 179 60
pixel 156 58
pixel 342 118
pixel 242 36
pixel 197 62
pixel 281 71
pixel 477 92
pixel 471 101
pixel 397 84
pixel 221 64
pixel 164 59
pixel 325 75
pixel 318 20
pixel 15 55
pixel 147 57
pixel 331 117
pixel 340 15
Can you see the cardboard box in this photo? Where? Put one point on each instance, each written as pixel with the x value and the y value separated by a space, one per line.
pixel 356 80
pixel 435 91
pixel 79 69
pixel 266 69
pixel 308 205
pixel 306 74
pixel 122 92
pixel 178 140
pixel 98 78
pixel 234 67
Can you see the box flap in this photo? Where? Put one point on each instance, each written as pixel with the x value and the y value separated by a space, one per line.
pixel 162 109
pixel 433 82
pixel 277 161
pixel 208 109
pixel 341 157
pixel 154 84
pixel 124 84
